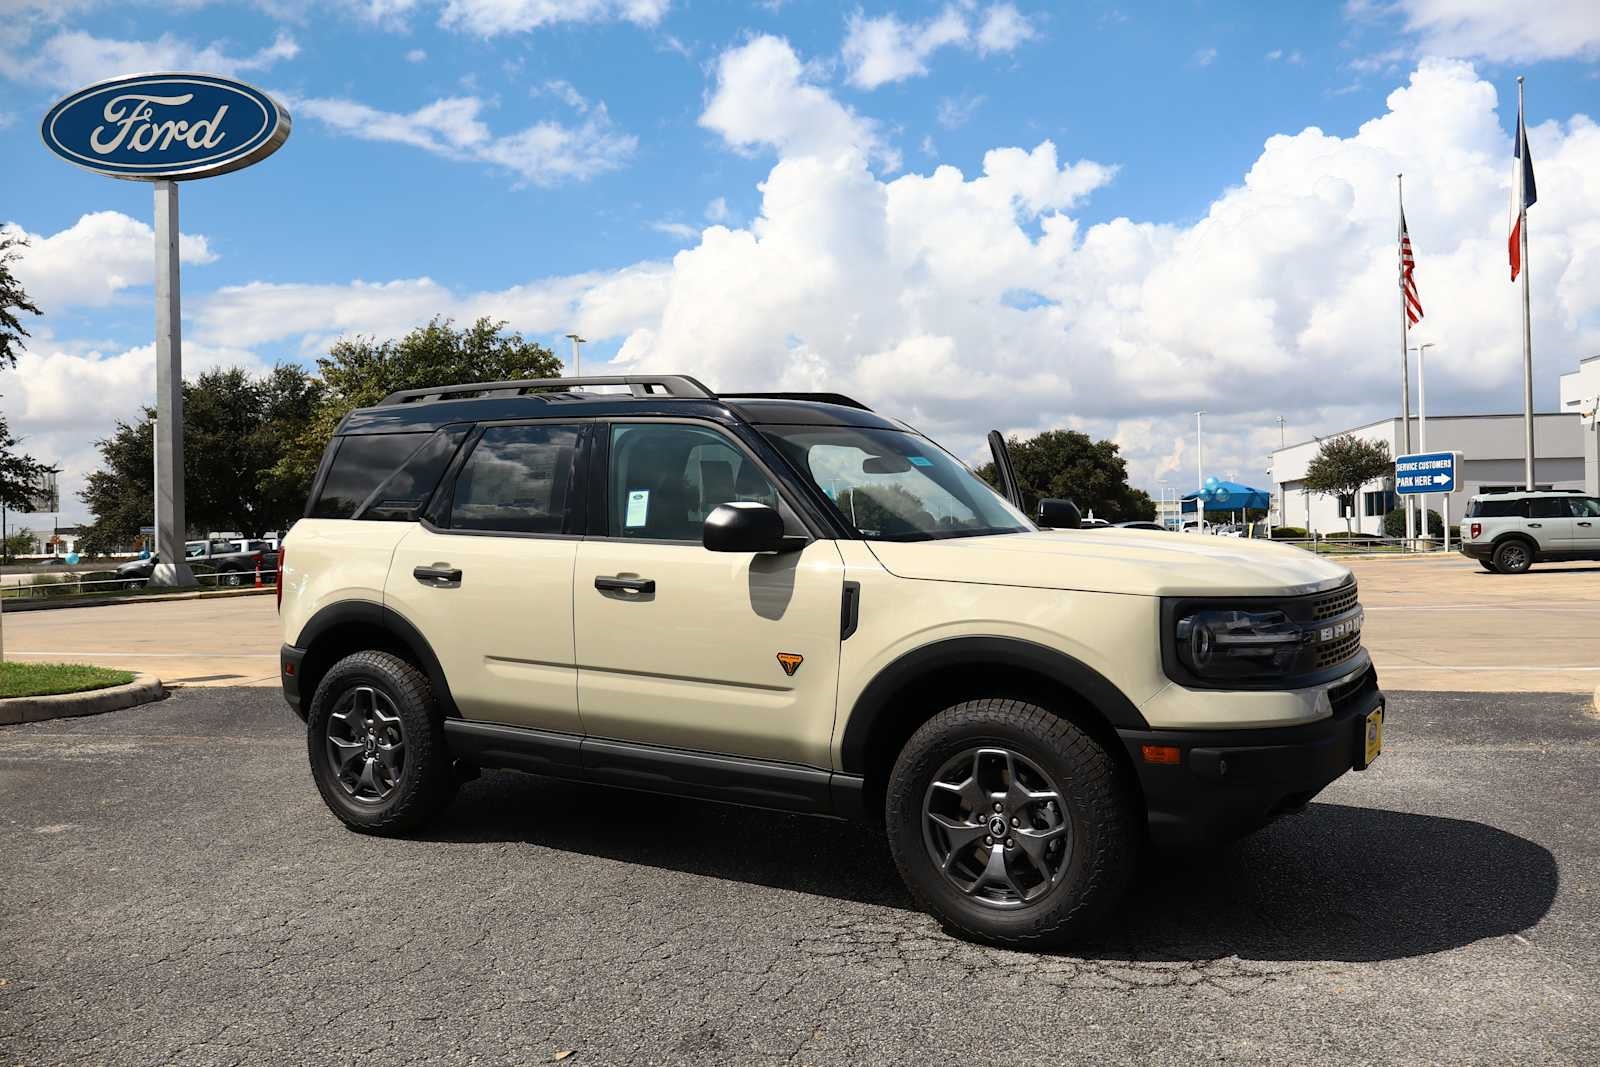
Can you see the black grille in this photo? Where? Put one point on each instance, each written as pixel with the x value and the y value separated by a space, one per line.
pixel 1338 651
pixel 1335 603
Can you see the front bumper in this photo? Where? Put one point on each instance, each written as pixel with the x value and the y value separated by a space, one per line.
pixel 289 661
pixel 1228 783
pixel 1476 549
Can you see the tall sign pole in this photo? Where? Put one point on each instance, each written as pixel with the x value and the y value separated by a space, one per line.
pixel 163 129
pixel 172 568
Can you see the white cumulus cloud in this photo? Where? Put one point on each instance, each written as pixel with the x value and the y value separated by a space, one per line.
pixel 546 153
pixel 73 58
pixel 1496 30
pixel 94 259
pixel 488 18
pixel 887 49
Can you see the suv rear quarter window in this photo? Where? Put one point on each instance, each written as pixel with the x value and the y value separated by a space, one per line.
pixel 359 464
pixel 1494 509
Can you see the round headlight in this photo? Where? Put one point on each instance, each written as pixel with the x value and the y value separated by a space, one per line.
pixel 1201 644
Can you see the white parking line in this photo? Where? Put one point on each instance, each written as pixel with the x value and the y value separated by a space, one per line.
pixel 1428 667
pixel 152 655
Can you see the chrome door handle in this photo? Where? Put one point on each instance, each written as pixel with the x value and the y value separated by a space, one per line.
pixel 639 586
pixel 440 574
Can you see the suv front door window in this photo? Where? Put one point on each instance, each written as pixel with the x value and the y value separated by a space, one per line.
pixel 1586 524
pixel 689 656
pixel 1550 520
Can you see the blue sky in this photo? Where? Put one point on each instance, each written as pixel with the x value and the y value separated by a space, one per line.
pixel 404 172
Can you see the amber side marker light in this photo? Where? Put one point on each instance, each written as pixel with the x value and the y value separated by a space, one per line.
pixel 1161 753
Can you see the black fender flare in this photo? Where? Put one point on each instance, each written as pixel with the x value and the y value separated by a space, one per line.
pixel 876 699
pixel 371 613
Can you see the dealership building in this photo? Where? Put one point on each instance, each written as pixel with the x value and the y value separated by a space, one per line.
pixel 1491 448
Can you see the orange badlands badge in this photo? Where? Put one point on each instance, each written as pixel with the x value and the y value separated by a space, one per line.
pixel 791 662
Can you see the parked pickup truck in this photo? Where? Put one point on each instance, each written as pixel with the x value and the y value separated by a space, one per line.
pixel 223 558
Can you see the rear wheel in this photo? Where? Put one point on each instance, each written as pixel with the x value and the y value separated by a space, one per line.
pixel 1486 565
pixel 376 743
pixel 1513 557
pixel 1011 824
pixel 234 578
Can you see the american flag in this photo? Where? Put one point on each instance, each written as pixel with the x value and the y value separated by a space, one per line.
pixel 1408 275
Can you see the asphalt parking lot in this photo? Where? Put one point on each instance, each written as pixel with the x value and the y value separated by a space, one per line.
pixel 175 893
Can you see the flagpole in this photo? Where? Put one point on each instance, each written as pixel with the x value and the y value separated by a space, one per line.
pixel 1527 329
pixel 1405 366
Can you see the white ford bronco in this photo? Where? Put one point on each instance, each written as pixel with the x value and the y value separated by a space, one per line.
pixel 792 602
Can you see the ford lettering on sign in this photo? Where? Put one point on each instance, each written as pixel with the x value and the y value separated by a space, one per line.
pixel 173 126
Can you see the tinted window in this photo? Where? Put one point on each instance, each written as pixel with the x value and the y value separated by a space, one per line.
pixel 403 495
pixel 1547 507
pixel 1586 507
pixel 360 464
pixel 1493 509
pixel 666 479
pixel 517 480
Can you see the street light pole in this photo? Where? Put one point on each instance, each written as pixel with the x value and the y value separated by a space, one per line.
pixel 1200 471
pixel 577 354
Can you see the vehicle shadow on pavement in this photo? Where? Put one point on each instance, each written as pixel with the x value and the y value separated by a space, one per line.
pixel 1335 883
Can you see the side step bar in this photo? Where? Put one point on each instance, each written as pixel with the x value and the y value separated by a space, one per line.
pixel 727 779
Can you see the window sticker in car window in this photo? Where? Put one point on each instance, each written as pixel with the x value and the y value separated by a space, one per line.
pixel 920 461
pixel 638 507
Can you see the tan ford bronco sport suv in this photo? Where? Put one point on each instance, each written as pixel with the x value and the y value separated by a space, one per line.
pixel 791 602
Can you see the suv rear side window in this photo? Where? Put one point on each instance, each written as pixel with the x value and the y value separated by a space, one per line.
pixel 518 479
pixel 1494 509
pixel 402 496
pixel 360 463
pixel 1548 507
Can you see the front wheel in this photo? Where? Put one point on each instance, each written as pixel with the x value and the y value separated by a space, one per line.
pixel 377 747
pixel 233 578
pixel 1011 824
pixel 1513 557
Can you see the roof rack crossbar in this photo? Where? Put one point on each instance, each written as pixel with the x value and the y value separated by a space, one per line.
pixel 676 385
pixel 822 398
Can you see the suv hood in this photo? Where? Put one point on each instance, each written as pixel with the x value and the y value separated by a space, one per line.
pixel 1140 562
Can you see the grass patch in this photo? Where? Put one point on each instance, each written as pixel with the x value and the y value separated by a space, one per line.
pixel 46 679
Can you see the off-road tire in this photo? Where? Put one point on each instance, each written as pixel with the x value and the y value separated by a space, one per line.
pixel 427 781
pixel 1100 803
pixel 1488 566
pixel 1513 557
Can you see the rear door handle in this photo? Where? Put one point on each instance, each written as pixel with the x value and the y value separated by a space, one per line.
pixel 439 574
pixel 642 586
pixel 1537 525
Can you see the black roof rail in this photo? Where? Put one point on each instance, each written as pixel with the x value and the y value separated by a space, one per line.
pixel 675 385
pixel 820 398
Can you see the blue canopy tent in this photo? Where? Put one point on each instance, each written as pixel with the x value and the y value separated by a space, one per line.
pixel 1223 496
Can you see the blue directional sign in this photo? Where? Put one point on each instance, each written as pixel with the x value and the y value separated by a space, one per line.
pixel 1426 472
pixel 173 126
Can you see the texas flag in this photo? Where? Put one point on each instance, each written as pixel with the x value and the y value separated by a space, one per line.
pixel 1523 192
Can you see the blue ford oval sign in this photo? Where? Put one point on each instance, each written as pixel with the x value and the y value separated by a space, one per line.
pixel 177 126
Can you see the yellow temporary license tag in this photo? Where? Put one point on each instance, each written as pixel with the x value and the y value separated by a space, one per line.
pixel 1374 735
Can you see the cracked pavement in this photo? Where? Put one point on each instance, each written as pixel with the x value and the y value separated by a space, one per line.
pixel 175 893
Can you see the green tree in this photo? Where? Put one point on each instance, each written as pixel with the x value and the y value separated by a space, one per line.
pixel 17 543
pixel 12 300
pixel 236 429
pixel 20 473
pixel 361 371
pixel 1072 466
pixel 1343 465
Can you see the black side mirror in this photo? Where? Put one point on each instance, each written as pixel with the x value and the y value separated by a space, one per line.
pixel 746 526
pixel 1058 514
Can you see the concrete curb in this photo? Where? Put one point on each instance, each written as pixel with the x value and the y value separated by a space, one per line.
pixel 51 603
pixel 142 690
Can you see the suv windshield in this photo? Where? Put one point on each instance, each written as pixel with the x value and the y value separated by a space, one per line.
pixel 896 486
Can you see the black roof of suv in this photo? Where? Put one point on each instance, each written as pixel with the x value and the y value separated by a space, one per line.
pixel 416 410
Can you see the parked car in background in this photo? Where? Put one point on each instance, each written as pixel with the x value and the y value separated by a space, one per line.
pixel 1140 524
pixel 1093 524
pixel 232 566
pixel 1509 532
